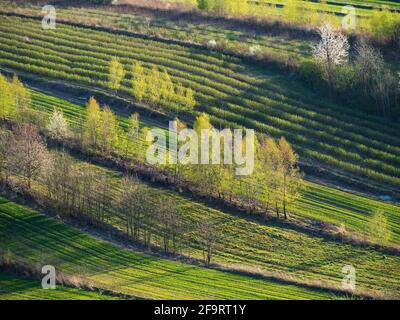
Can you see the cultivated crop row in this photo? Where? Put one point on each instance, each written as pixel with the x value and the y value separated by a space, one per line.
pixel 234 92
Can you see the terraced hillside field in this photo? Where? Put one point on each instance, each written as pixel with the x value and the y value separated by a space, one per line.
pixel 307 12
pixel 13 288
pixel 318 202
pixel 262 42
pixel 35 238
pixel 232 92
pixel 245 243
pixel 183 29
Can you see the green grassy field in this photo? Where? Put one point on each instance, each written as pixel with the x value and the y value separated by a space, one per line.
pixel 232 92
pixel 339 207
pixel 13 288
pixel 251 244
pixel 36 238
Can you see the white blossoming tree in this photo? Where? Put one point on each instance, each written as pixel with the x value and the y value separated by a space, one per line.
pixel 331 51
pixel 211 44
pixel 58 126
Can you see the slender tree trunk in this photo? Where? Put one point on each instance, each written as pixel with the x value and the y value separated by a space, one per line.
pixel 284 197
pixel 277 209
pixel 209 255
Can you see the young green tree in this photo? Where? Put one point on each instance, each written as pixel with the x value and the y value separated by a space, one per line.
pixel 91 125
pixel 132 134
pixel 264 175
pixel 202 122
pixel 108 130
pixel 5 97
pixel 153 86
pixel 190 101
pixel 4 145
pixel 290 176
pixel 139 86
pixel 134 125
pixel 207 175
pixel 179 96
pixel 144 142
pixel 167 87
pixel 273 159
pixel 116 74
pixel 205 5
pixel 179 169
pixel 378 227
pixel 20 95
pixel 16 97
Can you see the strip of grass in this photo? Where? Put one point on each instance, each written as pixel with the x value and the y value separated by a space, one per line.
pixel 36 238
pixel 13 288
pixel 344 208
pixel 187 30
pixel 273 248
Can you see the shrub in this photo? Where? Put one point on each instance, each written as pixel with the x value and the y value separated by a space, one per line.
pixel 310 72
pixel 344 78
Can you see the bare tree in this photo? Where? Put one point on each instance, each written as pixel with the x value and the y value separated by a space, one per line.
pixel 209 233
pixel 384 92
pixel 27 154
pixel 130 206
pixel 331 51
pixel 369 62
pixel 169 223
pixel 88 193
pixel 59 179
pixel 104 197
pixel 148 213
pixel 374 78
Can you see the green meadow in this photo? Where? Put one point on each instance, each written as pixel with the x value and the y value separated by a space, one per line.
pixel 36 238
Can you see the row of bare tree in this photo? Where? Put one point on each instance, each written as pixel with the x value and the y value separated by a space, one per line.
pixel 96 197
